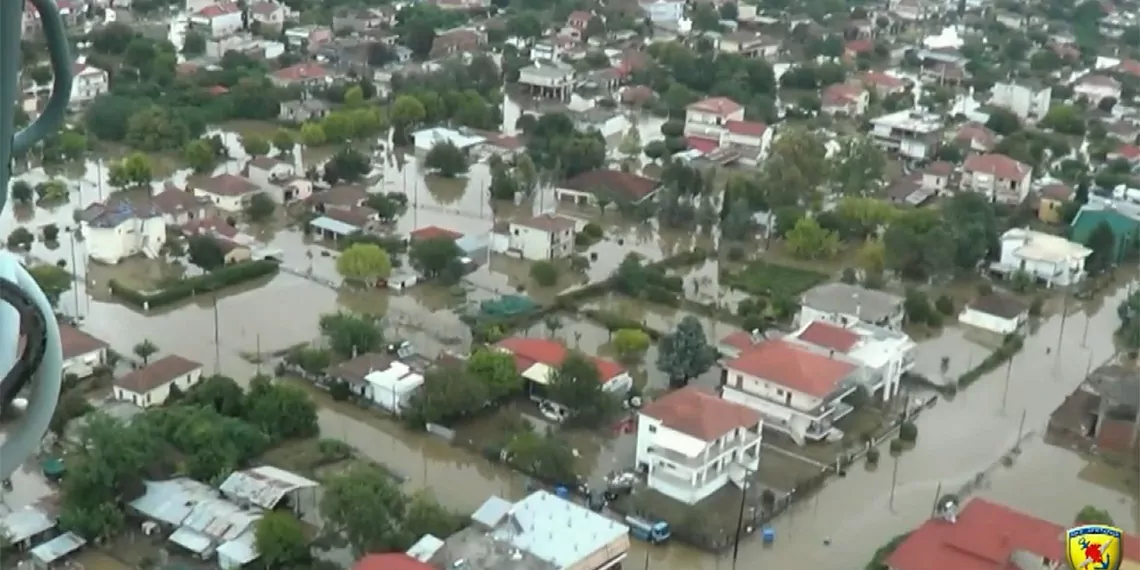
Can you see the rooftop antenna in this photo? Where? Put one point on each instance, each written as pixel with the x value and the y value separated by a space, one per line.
pixel 28 311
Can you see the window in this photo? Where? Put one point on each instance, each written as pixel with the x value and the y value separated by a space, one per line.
pixel 652 429
pixel 788 399
pixel 779 392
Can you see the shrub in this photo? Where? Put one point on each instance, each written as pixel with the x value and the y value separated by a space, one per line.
pixel 897 446
pixel 772 280
pixel 872 456
pixel 185 288
pixel 917 306
pixel 736 253
pixel 849 277
pixel 934 319
pixel 544 273
pixel 908 432
pixel 1036 307
pixel 945 305
pixel 592 231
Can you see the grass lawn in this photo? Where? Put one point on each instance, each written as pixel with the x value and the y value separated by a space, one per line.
pixel 767 279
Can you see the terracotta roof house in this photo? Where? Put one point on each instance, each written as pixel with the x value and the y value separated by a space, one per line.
pixel 300 74
pixel 82 353
pixel 702 428
pixel 612 185
pixel 455 41
pixel 391 561
pixel 998 177
pixel 884 84
pixel 989 536
pixel 225 191
pixel 847 98
pixel 151 385
pixel 536 360
pixel 797 391
pixel 976 137
pixel 433 232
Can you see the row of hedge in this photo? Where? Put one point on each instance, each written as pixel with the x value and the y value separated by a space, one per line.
pixel 220 278
pixel 1010 346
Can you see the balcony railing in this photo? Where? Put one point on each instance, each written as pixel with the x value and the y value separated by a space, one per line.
pixel 709 454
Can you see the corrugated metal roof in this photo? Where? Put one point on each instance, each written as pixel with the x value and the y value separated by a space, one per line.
pixel 263 486
pixel 191 540
pixel 335 226
pixel 492 511
pixel 556 530
pixel 172 501
pixel 241 550
pixel 57 548
pixel 25 523
pixel 220 519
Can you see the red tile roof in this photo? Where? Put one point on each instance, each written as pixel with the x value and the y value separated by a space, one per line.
pixel 301 72
pixel 841 94
pixel 860 46
pixel 548 223
pixel 880 79
pixel 746 128
pixel 226 185
pixel 740 340
pixel 434 232
pixel 701 414
pixel 529 351
pixel 1129 66
pixel 1127 151
pixel 829 336
pixel 1057 192
pixel 614 182
pixel 983 537
pixel 77 343
pixel 391 561
pixel 998 165
pixel 702 144
pixel 796 368
pixel 976 133
pixel 157 373
pixel 716 105
pixel 219 9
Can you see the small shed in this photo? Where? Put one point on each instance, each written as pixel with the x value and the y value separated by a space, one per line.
pixel 329 228
pixel 997 312
pixel 26 526
pixel 47 554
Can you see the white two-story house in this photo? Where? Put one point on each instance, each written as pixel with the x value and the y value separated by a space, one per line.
pixel 1046 258
pixel 844 305
pixel 150 385
pixel 121 229
pixel 998 177
pixel 691 443
pixel 882 354
pixel 1028 102
pixel 797 391
pixel 541 238
pixel 707 118
pixel 88 83
pixel 911 134
pixel 218 20
pixel 225 191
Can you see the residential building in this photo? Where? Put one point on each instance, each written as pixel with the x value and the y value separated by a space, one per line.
pixel 611 185
pixel 844 98
pixel 545 52
pixel 748 44
pixel 226 191
pixel 82 353
pixel 975 137
pixel 797 391
pixel 266 171
pixel 88 82
pixel 690 443
pixel 579 20
pixel 308 38
pixel 707 118
pixel 122 229
pixel 549 80
pixel 451 42
pixel 150 385
pixel 540 532
pixel 390 388
pixel 339 224
pixel 269 14
pixel 218 20
pixel 996 312
pixel 1051 202
pixel 884 84
pixel 1049 259
pixel 911 134
pixel 936 176
pixel 985 535
pixel 663 12
pixel 1026 101
pixel 544 237
pixel 301 74
pixel 391 561
pixel 908 10
pixel 536 359
pixel 303 110
pixel 1127 152
pixel 883 355
pixel 1096 88
pixel 426 139
pixel 998 177
pixel 843 304
pixel 1102 415
pixel 1124 221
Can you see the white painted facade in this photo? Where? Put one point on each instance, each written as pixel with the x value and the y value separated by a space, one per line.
pixel 157 396
pixel 664 11
pixel 539 245
pixel 800 415
pixel 809 314
pixel 218 25
pixel 1096 91
pixel 910 133
pixel 88 83
pixel 129 237
pixel 993 323
pixel 1050 259
pixel 83 365
pixel 391 388
pixel 709 125
pixel 1025 102
pixel 271 175
pixel 689 469
pixel 224 202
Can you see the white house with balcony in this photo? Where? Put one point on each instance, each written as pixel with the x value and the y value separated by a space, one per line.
pixel 797 390
pixel 1046 258
pixel 1028 102
pixel 122 229
pixel 88 83
pixel 708 118
pixel 912 134
pixel 549 80
pixel 690 443
pixel 882 355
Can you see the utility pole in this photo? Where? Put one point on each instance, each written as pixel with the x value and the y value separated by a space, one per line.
pixel 258 341
pixel 894 483
pixel 740 519
pixel 937 497
pixel 1020 430
pixel 217 340
pixel 1085 335
pixel 74 272
pixel 1005 388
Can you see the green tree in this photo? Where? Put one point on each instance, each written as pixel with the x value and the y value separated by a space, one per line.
pixel 281 411
pixel 858 167
pixel 354 96
pixel 795 170
pixel 22 192
pixel 407 111
pixel 313 135
pixel 631 142
pixel 364 263
pixel 20 238
pixel 544 273
pixel 577 386
pixel 134 170
pixel 260 207
pixel 365 506
pixel 1093 515
pixel 1102 242
pixel 972 223
pixel 194 44
pixel 630 344
pixel 219 393
pixel 448 394
pixel 495 370
pixel 199 154
pixel 350 335
pixel 918 245
pixel 284 140
pixel 255 145
pixel 72 145
pixel 205 252
pixel 280 540
pixel 808 240
pixel 1065 119
pixel 54 281
pixel 53 190
pixel 685 353
pixel 1129 313
pixel 144 350
pixel 446 160
pixel 434 256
